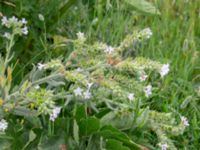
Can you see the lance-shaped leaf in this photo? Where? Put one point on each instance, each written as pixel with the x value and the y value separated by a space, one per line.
pixel 22 111
pixel 144 6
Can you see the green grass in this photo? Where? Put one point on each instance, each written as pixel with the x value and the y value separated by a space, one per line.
pixel 177 24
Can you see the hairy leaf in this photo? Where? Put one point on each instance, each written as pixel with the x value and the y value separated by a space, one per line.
pixel 144 6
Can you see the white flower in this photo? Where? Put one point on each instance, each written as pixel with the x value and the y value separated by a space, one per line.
pixel 23 21
pixel 3 125
pixel 164 146
pixel 94 21
pixel 109 49
pixel 41 17
pixel 79 70
pixel 81 36
pixel 78 91
pixel 184 121
pixel 40 66
pixel 13 19
pixel 148 90
pixel 89 85
pixel 131 96
pixel 37 87
pixel 7 35
pixel 55 113
pixel 25 30
pixel 4 20
pixel 164 70
pixel 87 94
pixel 143 76
pixel 146 33
pixel 18 25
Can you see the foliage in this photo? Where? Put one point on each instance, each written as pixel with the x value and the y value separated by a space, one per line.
pixel 40 18
pixel 99 77
pixel 97 96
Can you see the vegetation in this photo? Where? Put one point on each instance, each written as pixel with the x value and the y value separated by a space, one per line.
pixel 99 75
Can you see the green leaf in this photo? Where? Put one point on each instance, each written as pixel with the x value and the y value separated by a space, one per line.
pixel 143 117
pixel 5 137
pixel 51 143
pixel 102 112
pixel 94 143
pixel 112 144
pixel 35 121
pixel 32 137
pixel 76 132
pixel 144 6
pixel 5 144
pixel 186 102
pixel 22 111
pixel 109 132
pixel 89 125
pixel 63 124
pixel 58 39
pixel 80 113
pixel 120 120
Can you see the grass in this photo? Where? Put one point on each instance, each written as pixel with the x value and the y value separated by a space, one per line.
pixel 176 39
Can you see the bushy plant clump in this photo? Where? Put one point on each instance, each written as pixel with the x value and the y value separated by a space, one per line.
pixel 94 97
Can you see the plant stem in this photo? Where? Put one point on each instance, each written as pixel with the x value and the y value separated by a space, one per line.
pixel 40 81
pixel 8 51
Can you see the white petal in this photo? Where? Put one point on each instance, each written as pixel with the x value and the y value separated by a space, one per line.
pixel 3 125
pixel 131 96
pixel 78 91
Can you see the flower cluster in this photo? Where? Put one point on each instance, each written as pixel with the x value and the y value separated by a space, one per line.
pixel 86 94
pixel 42 99
pixel 3 125
pixel 109 50
pixel 55 113
pixel 131 96
pixel 37 87
pixel 18 26
pixel 53 64
pixel 81 37
pixel 140 65
pixel 143 76
pixel 145 33
pixel 78 91
pixel 164 146
pixel 41 66
pixel 184 121
pixel 135 37
pixel 164 70
pixel 148 90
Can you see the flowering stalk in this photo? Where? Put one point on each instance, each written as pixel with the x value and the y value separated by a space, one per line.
pixel 9 55
pixel 18 27
pixel 37 82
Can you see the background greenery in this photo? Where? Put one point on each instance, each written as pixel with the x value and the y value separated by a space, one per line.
pixel 176 38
